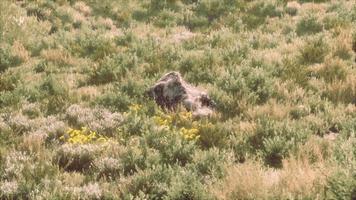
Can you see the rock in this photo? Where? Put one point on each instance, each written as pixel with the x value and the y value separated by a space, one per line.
pixel 330 136
pixel 171 90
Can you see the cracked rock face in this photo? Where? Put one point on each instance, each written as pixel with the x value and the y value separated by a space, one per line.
pixel 171 90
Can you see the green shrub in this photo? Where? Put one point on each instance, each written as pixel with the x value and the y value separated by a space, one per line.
pixel 258 12
pixel 112 68
pixel 275 149
pixel 199 67
pixel 176 150
pixel 239 145
pixel 124 94
pixel 341 91
pixel 127 39
pixel 314 50
pixel 99 120
pixel 186 185
pixel 333 20
pixel 294 71
pixel 252 85
pixel 299 112
pixel 213 135
pixel 259 85
pixel 274 141
pixel 167 18
pixel 342 185
pixel 155 58
pixel 149 183
pixel 116 101
pixel 308 25
pixel 159 6
pixel 213 9
pixel 93 46
pixel 334 70
pixel 7 58
pixel 229 105
pixel 42 66
pixel 194 22
pixel 207 12
pixel 210 163
pixel 25 172
pixel 10 98
pixel 40 11
pixel 9 80
pixel 72 157
pixel 56 93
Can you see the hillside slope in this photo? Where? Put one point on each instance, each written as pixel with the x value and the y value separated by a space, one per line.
pixel 75 123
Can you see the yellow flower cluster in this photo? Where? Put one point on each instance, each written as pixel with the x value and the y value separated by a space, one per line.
pixel 187 116
pixel 181 119
pixel 190 134
pixel 82 136
pixel 164 121
pixel 135 107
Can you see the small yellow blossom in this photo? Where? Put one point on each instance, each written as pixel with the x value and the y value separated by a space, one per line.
pixel 190 134
pixel 82 136
pixel 135 107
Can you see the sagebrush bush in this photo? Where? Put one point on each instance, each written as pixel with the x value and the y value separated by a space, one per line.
pixel 213 135
pixel 335 70
pixel 309 24
pixel 72 157
pixel 57 93
pixel 342 91
pixel 93 46
pixel 112 69
pixel 9 80
pixel 259 11
pixel 341 184
pixel 107 167
pixel 210 163
pixel 314 50
pixel 8 58
pixel 97 119
pixel 88 191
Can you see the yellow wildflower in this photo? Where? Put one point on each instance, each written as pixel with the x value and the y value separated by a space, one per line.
pixel 135 107
pixel 190 134
pixel 82 136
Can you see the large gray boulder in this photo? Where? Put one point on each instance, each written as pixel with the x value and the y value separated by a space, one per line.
pixel 171 90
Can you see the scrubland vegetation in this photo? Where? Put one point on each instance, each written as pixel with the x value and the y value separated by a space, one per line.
pixel 75 123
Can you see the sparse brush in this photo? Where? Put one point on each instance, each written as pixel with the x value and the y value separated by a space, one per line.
pixel 76 157
pixel 342 91
pixel 334 70
pixel 308 25
pixel 314 50
pixel 8 58
pixel 100 120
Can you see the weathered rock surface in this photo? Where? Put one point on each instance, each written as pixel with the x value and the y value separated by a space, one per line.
pixel 171 90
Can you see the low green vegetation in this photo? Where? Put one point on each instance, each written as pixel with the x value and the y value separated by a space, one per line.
pixel 75 122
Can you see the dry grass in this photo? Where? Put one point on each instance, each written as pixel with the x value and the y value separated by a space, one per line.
pixel 342 91
pixel 59 57
pixel 302 176
pixel 271 109
pixel 33 142
pixel 20 51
